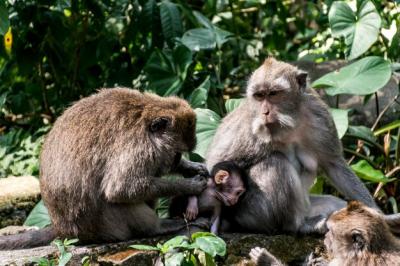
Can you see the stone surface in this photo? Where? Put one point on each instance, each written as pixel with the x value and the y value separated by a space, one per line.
pixel 289 249
pixel 18 196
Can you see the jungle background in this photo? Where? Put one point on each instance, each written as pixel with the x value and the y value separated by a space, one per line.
pixel 55 52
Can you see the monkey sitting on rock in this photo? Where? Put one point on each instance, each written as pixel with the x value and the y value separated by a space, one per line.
pixel 224 187
pixel 101 165
pixel 358 235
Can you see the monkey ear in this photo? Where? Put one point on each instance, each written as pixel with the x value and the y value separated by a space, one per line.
pixel 221 177
pixel 159 124
pixel 301 78
pixel 357 239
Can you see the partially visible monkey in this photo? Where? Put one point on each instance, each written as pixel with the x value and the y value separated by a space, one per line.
pixel 224 187
pixel 358 235
pixel 102 161
pixel 281 135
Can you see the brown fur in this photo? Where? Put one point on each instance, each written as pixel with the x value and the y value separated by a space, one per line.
pixel 103 160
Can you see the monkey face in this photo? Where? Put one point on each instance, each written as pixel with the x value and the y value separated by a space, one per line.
pixel 273 90
pixel 229 186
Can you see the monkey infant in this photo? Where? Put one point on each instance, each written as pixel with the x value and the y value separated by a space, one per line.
pixel 101 164
pixel 358 235
pixel 224 187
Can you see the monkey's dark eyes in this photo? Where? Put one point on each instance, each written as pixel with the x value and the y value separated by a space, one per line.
pixel 259 95
pixel 273 93
pixel 159 124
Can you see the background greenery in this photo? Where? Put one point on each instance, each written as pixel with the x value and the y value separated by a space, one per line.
pixel 56 52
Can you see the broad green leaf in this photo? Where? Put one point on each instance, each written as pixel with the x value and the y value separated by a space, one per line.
pixel 341 120
pixel 318 186
pixel 69 242
pixel 39 216
pixel 213 245
pixel 64 259
pixel 174 259
pixel 4 21
pixel 203 20
pixel 167 70
pixel 360 29
pixel 205 259
pixel 206 126
pixel 199 39
pixel 171 21
pixel 362 132
pixel 144 247
pixel 393 125
pixel 363 77
pixel 199 96
pixel 365 171
pixel 178 241
pixel 232 104
pixel 200 234
pixel 222 36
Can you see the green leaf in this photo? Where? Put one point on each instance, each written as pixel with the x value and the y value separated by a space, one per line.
pixel 360 30
pixel 171 21
pixel 318 186
pixel 201 234
pixel 341 120
pixel 175 259
pixel 69 242
pixel 232 104
pixel 144 247
pixel 4 21
pixel 222 36
pixel 362 132
pixel 363 77
pixel 39 216
pixel 199 96
pixel 178 241
pixel 203 20
pixel 212 245
pixel 199 39
pixel 386 128
pixel 64 259
pixel 205 259
pixel 365 171
pixel 167 70
pixel 206 126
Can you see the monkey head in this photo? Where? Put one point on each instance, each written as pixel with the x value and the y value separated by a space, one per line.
pixel 356 230
pixel 228 178
pixel 273 91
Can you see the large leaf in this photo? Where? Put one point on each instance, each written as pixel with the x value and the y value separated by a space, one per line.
pixel 174 259
pixel 341 120
pixel 365 171
pixel 166 70
pixel 362 132
pixel 205 38
pixel 212 245
pixel 39 216
pixel 4 21
pixel 199 96
pixel 170 21
pixel 206 126
pixel 360 29
pixel 363 77
pixel 232 104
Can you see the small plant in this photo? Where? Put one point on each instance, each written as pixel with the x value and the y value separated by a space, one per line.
pixel 200 249
pixel 64 256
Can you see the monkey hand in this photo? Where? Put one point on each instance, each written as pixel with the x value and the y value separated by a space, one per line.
pixel 191 211
pixel 261 256
pixel 196 184
pixel 200 169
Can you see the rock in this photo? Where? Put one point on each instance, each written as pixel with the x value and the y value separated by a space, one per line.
pixel 289 249
pixel 18 196
pixel 362 114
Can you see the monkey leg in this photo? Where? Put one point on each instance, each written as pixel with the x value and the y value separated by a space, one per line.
pixel 321 206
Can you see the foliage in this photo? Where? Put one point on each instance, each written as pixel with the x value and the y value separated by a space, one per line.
pixel 39 216
pixel 64 256
pixel 200 249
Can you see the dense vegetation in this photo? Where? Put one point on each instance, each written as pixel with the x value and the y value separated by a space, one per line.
pixel 56 52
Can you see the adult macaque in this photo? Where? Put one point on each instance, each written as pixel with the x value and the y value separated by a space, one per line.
pixel 102 161
pixel 281 135
pixel 224 187
pixel 358 235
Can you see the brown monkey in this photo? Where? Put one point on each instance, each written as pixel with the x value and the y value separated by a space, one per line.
pixel 358 235
pixel 103 159
pixel 224 187
pixel 281 135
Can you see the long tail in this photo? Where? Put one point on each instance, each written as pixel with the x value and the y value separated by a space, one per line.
pixel 30 239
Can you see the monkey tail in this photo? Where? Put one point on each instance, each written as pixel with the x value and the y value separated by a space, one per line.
pixel 30 239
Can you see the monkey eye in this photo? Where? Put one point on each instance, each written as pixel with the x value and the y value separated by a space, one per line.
pixel 259 96
pixel 159 124
pixel 273 93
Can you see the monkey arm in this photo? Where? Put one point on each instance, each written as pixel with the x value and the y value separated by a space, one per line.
pixel 192 208
pixel 343 178
pixel 188 168
pixel 149 188
pixel 216 219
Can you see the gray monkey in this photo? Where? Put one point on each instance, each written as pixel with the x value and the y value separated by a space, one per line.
pixel 282 135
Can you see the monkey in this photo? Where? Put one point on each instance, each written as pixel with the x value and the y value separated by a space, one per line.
pixel 281 136
pixel 103 159
pixel 224 187
pixel 357 235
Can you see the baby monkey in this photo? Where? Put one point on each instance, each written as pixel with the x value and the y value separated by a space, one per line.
pixel 224 187
pixel 358 235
